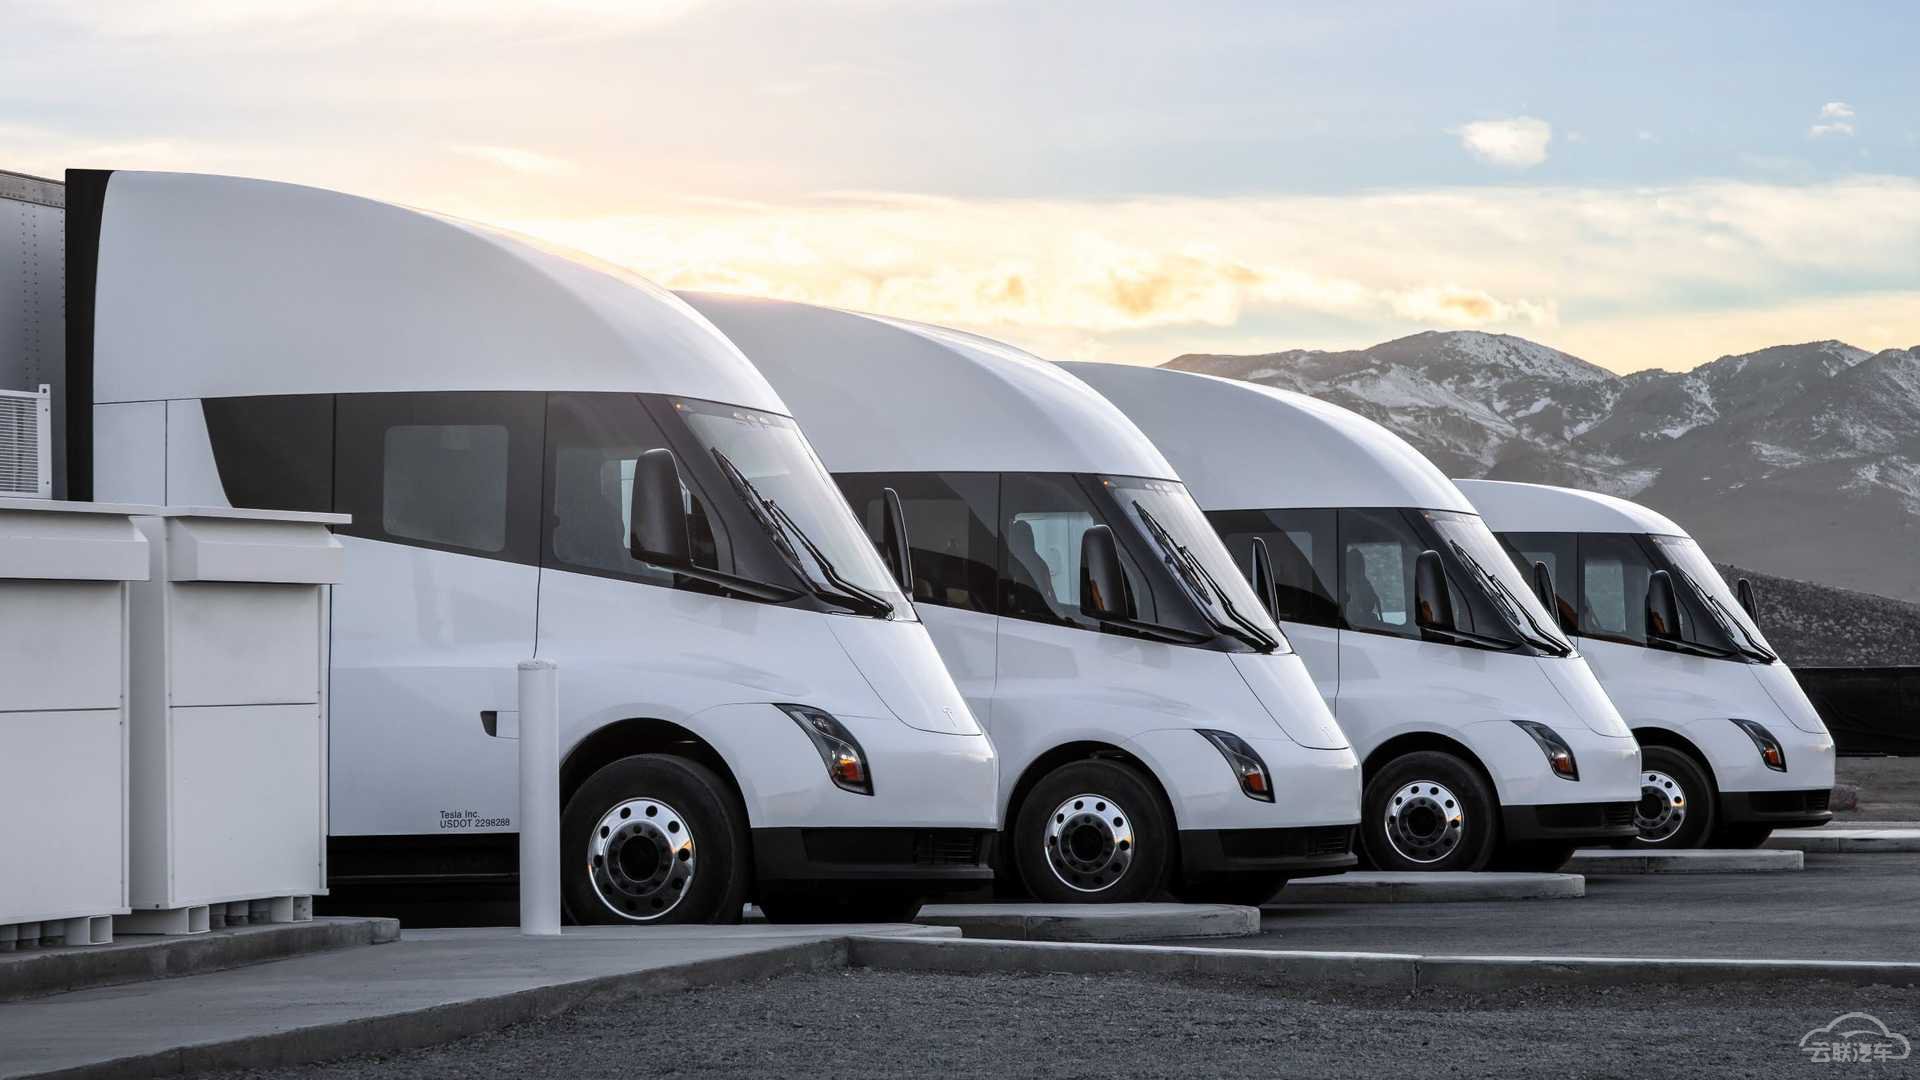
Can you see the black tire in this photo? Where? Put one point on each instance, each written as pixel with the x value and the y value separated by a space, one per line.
pixel 1672 781
pixel 1741 836
pixel 1533 857
pixel 1131 863
pixel 686 799
pixel 827 908
pixel 1464 829
pixel 1247 890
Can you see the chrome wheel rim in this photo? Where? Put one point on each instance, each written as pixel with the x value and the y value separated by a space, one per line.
pixel 1662 809
pixel 641 859
pixel 1089 843
pixel 1424 822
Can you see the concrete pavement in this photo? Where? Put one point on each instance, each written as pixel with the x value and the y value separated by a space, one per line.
pixel 1605 861
pixel 429 987
pixel 1386 887
pixel 1860 840
pixel 1094 922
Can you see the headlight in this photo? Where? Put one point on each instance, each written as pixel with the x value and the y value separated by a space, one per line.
pixel 1559 754
pixel 839 750
pixel 1763 741
pixel 1247 767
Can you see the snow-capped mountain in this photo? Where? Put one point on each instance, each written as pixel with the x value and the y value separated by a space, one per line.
pixel 1799 460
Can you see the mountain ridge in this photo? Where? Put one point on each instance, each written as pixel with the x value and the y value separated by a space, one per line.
pixel 1800 460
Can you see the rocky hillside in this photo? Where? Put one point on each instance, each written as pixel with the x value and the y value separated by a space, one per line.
pixel 1800 460
pixel 1818 626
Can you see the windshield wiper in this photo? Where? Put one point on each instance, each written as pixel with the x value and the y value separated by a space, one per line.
pixel 1539 638
pixel 783 530
pixel 1194 575
pixel 1753 650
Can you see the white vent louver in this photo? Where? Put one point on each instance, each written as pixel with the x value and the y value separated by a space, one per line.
pixel 26 444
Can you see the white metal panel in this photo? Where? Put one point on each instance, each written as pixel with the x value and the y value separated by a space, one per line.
pixel 130 452
pixel 204 547
pixel 1512 507
pixel 217 286
pixel 61 645
pixel 898 660
pixel 423 642
pixel 70 541
pixel 885 394
pixel 1243 446
pixel 246 785
pixel 63 802
pixel 243 643
pixel 193 479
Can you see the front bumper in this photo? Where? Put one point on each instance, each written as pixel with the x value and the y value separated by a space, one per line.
pixel 1779 809
pixel 1573 823
pixel 925 862
pixel 1315 851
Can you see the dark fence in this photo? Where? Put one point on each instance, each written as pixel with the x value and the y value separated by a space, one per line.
pixel 1870 710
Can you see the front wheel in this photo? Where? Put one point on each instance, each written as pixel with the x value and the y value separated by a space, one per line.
pixel 653 839
pixel 1429 810
pixel 1676 801
pixel 1093 832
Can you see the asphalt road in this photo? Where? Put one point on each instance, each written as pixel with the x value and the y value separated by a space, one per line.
pixel 1003 1027
pixel 1841 907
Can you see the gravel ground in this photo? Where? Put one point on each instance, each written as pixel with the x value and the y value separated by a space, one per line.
pixel 875 1023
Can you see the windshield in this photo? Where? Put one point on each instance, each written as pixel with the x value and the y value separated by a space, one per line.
pixel 767 460
pixel 1187 543
pixel 1471 546
pixel 1696 572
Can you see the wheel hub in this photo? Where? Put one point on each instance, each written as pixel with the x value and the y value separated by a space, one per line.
pixel 1424 821
pixel 641 859
pixel 1089 841
pixel 1662 810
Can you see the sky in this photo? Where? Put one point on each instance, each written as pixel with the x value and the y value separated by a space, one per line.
pixel 1642 185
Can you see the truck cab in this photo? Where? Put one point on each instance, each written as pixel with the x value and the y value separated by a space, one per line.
pixel 1733 749
pixel 1155 728
pixel 1484 738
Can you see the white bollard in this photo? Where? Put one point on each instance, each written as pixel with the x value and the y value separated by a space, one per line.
pixel 539 798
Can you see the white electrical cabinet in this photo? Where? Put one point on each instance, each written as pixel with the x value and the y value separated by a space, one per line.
pixel 64 574
pixel 229 718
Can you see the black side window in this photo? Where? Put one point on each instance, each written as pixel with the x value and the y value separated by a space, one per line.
pixel 1557 551
pixel 951 530
pixel 1042 519
pixel 594 442
pixel 273 453
pixel 1301 546
pixel 455 471
pixel 1613 587
pixel 1378 550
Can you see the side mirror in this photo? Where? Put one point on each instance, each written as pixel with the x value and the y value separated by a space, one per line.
pixel 1260 575
pixel 1663 610
pixel 1432 603
pixel 1743 591
pixel 893 540
pixel 1103 582
pixel 1543 589
pixel 658 533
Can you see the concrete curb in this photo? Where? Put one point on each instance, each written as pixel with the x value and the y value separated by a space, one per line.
pixel 1599 862
pixel 1369 887
pixel 1303 968
pixel 131 959
pixel 1854 841
pixel 1094 922
pixel 445 1023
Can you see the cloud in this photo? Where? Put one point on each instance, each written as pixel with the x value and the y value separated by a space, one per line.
pixel 1703 269
pixel 1836 118
pixel 516 159
pixel 1519 143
